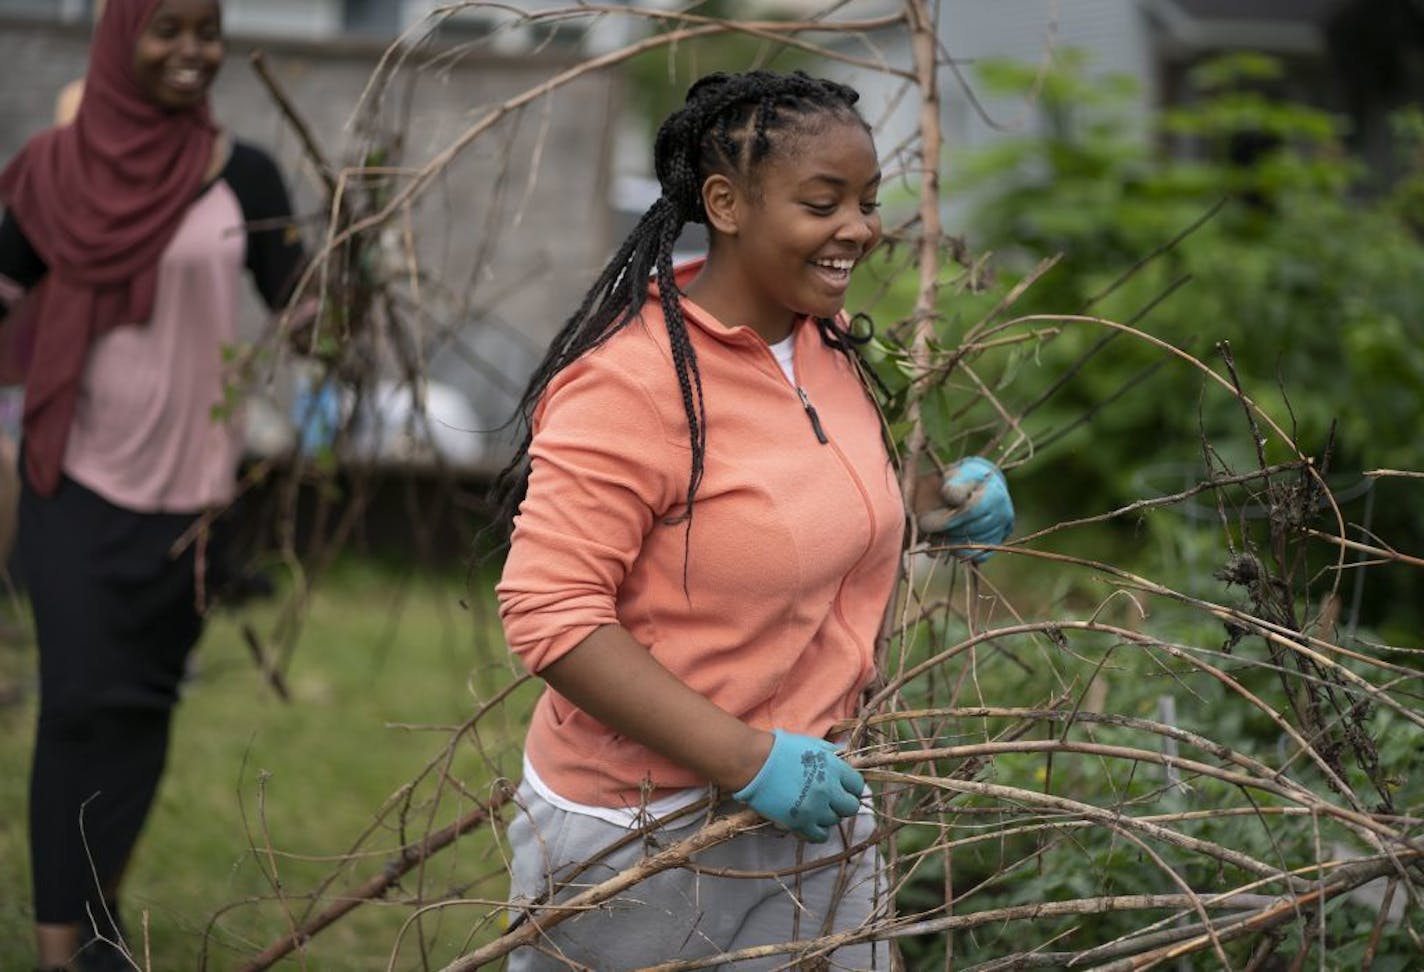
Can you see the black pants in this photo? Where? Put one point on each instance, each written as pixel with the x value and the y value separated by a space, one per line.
pixel 115 619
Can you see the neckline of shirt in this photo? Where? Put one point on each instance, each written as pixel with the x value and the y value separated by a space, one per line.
pixel 785 353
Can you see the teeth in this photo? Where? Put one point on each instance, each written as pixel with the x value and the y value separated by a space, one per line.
pixel 836 264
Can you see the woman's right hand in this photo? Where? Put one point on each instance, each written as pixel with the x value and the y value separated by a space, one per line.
pixel 804 786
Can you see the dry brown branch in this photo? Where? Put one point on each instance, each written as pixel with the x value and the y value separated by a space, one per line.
pixel 442 160
pixel 1267 918
pixel 407 857
pixel 284 104
pixel 923 43
pixel 1367 961
pixel 266 664
pixel 1267 911
pixel 1215 483
pixel 374 888
pixel 1380 552
pixel 551 915
pixel 1384 473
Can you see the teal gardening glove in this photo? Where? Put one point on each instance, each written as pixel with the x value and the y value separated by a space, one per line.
pixel 804 786
pixel 977 507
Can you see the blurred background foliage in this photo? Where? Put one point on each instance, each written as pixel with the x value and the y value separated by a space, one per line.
pixel 1303 261
pixel 1310 266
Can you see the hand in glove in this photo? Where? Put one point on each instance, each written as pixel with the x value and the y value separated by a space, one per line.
pixel 804 786
pixel 976 509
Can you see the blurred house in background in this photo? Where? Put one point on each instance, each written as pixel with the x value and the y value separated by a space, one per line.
pixel 313 20
pixel 577 172
pixel 1358 58
pixel 1348 55
pixel 1361 59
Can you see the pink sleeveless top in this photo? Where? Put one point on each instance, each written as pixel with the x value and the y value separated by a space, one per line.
pixel 145 433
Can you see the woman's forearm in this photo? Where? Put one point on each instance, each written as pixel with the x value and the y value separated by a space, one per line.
pixel 617 681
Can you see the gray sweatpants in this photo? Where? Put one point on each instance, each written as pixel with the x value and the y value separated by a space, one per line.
pixel 689 913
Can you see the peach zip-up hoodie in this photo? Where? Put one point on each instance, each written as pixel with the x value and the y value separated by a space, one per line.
pixel 794 541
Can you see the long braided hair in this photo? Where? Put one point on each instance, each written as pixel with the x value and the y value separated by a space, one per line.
pixel 730 124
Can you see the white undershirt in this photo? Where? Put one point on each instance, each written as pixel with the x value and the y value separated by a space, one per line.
pixel 785 352
pixel 629 817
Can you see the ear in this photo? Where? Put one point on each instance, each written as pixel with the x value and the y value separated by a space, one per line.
pixel 720 198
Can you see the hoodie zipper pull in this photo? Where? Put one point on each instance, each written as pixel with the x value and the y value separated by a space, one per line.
pixel 811 414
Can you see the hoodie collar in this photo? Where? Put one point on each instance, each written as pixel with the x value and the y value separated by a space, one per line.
pixel 684 273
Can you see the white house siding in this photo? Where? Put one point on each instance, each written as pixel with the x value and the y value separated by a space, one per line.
pixel 307 20
pixel 604 32
pixel 65 10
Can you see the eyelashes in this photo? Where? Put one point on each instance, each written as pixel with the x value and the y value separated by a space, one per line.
pixel 829 209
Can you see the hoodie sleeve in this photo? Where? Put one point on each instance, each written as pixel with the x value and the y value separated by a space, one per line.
pixel 603 471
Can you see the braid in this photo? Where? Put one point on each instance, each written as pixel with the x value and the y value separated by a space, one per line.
pixel 848 341
pixel 689 377
pixel 728 125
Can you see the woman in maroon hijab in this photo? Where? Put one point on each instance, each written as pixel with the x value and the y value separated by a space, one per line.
pixel 121 252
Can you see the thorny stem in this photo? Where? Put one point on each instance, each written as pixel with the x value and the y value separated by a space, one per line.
pixel 375 887
pixel 304 134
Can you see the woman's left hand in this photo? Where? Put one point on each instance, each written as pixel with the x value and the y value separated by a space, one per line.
pixel 975 508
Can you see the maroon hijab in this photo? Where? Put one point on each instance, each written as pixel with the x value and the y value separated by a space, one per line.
pixel 99 199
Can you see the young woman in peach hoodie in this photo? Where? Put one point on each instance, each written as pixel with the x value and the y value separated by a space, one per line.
pixel 707 535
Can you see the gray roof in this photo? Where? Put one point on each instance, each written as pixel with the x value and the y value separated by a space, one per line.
pixel 1286 11
pixel 1279 26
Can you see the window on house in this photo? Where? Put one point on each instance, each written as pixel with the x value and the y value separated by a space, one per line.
pixel 373 17
pixel 46 9
pixel 534 36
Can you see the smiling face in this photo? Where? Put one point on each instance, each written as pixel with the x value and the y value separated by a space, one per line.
pixel 179 52
pixel 785 244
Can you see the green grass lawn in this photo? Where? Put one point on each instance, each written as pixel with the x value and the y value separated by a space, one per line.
pixel 385 665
